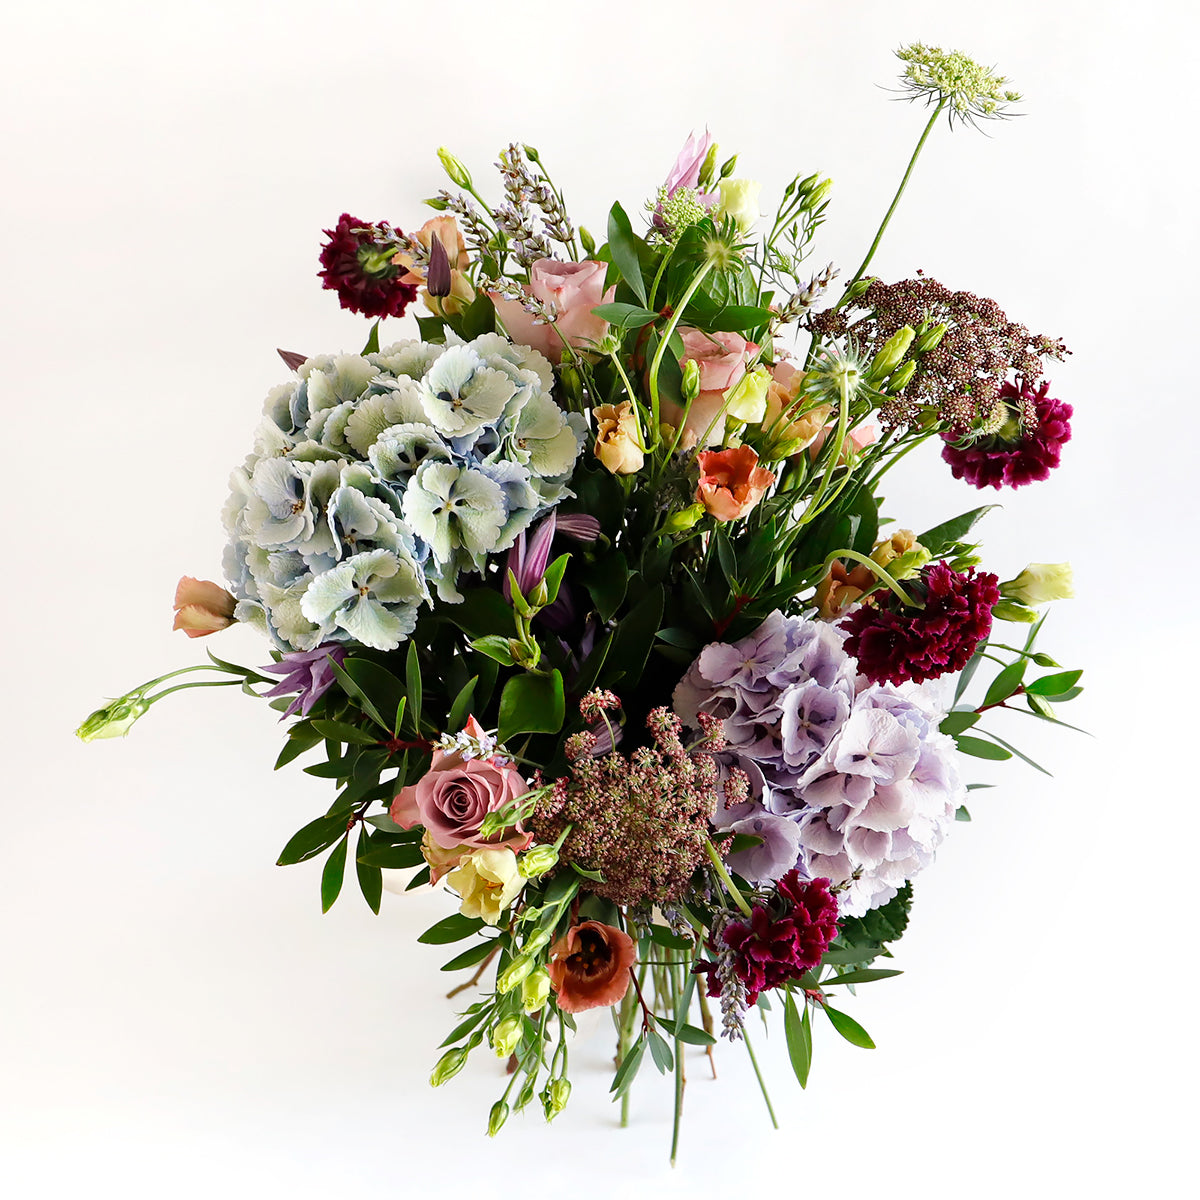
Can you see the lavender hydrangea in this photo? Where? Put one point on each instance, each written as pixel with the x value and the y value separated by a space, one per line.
pixel 379 479
pixel 859 773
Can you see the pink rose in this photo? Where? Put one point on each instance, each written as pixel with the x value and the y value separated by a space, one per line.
pixel 455 794
pixel 857 440
pixel 731 482
pixel 569 289
pixel 722 359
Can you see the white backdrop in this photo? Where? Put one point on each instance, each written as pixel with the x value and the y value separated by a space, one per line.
pixel 176 1016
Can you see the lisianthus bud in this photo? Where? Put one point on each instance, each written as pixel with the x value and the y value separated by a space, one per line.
pixel 587 241
pixel 819 193
pixel 455 168
pixel 708 168
pixel 513 974
pixel 535 991
pixel 739 200
pixel 114 719
pixel 448 1066
pixel 929 339
pixel 747 399
pixel 535 942
pixel 1007 610
pixel 685 519
pixel 537 860
pixel 691 380
pixel 497 1117
pixel 891 353
pixel 555 1096
pixel 506 1037
pixel 727 167
pixel 1040 583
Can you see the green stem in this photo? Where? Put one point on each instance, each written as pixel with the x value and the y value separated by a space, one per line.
pixel 723 875
pixel 180 687
pixel 876 569
pixel 633 401
pixel 665 338
pixel 758 1074
pixel 662 266
pixel 814 505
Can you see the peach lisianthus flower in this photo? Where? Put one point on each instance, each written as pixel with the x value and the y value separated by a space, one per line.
pixel 461 293
pixel 731 482
pixel 202 607
pixel 790 430
pixel 590 966
pixel 617 444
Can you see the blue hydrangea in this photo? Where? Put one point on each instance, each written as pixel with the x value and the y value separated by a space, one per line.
pixel 379 480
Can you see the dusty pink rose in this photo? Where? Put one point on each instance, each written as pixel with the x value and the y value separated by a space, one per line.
pixel 572 290
pixel 722 359
pixel 455 794
pixel 857 440
pixel 731 482
pixel 202 607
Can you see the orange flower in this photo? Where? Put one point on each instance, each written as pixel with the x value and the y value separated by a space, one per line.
pixel 202 607
pixel 840 588
pixel 446 230
pixel 589 967
pixel 731 482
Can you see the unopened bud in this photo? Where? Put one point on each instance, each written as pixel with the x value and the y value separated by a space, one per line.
pixel 728 166
pixel 537 861
pixel 555 1096
pixel 691 380
pixel 680 522
pixel 448 1066
pixel 513 974
pixel 588 242
pixel 538 940
pixel 436 203
pixel 892 352
pixel 455 168
pixel 535 991
pixel 929 339
pixel 819 193
pixel 1007 610
pixel 707 168
pixel 497 1117
pixel 572 383
pixel 114 719
pixel 1040 583
pixel 506 1037
pixel 901 377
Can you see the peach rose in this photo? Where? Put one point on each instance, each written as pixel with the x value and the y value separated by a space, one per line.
pixel 446 230
pixel 571 290
pixel 731 482
pixel 617 445
pixel 722 359
pixel 787 431
pixel 202 607
pixel 590 966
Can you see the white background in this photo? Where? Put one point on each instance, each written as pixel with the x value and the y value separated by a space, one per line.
pixel 176 1017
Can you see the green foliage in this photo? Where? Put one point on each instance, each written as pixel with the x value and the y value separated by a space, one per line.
pixel 862 939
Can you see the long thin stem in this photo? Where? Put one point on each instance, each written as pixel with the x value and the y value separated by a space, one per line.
pixel 875 569
pixel 758 1074
pixel 723 875
pixel 179 687
pixel 665 338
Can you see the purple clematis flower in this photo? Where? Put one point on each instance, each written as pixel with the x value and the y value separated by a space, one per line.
pixel 307 672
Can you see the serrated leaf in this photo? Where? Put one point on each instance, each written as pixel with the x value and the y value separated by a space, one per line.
pixel 797 1031
pixel 849 1028
pixel 333 873
pixel 450 929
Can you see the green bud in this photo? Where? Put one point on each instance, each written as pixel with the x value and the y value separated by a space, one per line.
pixel 555 1096
pixel 707 168
pixel 513 974
pixel 526 1093
pixel 523 655
pixel 531 153
pixel 506 1037
pixel 572 383
pixel 680 522
pixel 436 203
pixel 588 242
pixel 856 289
pixel 455 168
pixel 497 1117
pixel 929 339
pixel 535 991
pixel 538 940
pixel 820 193
pixel 113 720
pixel 1040 583
pixel 537 861
pixel 891 353
pixel 908 564
pixel 747 399
pixel 691 380
pixel 448 1066
pixel 1006 610
pixel 728 166
pixel 900 378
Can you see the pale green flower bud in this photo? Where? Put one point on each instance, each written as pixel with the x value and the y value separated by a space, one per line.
pixel 747 399
pixel 513 974
pixel 448 1066
pixel 891 353
pixel 727 166
pixel 506 1037
pixel 1040 583
pixel 537 860
pixel 708 168
pixel 900 378
pixel 497 1117
pixel 588 242
pixel 929 339
pixel 114 719
pixel 691 380
pixel 680 522
pixel 819 193
pixel 455 168
pixel 535 991
pixel 555 1096
pixel 739 200
pixel 1006 610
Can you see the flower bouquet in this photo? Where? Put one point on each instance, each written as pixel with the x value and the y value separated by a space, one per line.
pixel 584 602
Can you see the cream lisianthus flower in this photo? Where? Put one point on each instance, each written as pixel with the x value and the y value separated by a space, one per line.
pixel 488 881
pixel 1040 583
pixel 739 200
pixel 617 445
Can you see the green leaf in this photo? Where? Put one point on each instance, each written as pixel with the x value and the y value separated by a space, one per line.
pixel 339 731
pixel 483 610
pixel 480 317
pixel 554 575
pixel 606 581
pixel 635 634
pixel 588 873
pixel 628 1068
pixel 460 710
pixel 978 748
pixel 412 677
pixel 1054 685
pixel 625 316
pixel 465 1027
pixel 495 647
pixel 660 935
pixel 431 329
pixel 333 874
pixel 316 836
pixel 301 737
pixel 1023 757
pixel 664 1060
pixel 736 318
pixel 392 858
pixel 335 768
pixel 1040 706
pixel 798 1033
pixel 961 813
pixel 421 877
pixel 372 346
pixel 942 536
pixel 450 929
pixel 370 879
pixel 532 704
pixel 469 958
pixel 866 975
pixel 356 692
pixel 968 673
pixel 958 722
pixel 622 245
pixel 692 1036
pixel 1005 683
pixel 849 1028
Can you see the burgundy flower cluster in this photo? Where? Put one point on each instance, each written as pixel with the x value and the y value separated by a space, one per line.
pixel 996 461
pixel 780 943
pixel 356 262
pixel 894 643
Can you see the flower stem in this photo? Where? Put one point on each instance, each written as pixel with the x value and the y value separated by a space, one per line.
pixel 879 573
pixel 758 1074
pixel 815 508
pixel 723 875
pixel 179 687
pixel 664 338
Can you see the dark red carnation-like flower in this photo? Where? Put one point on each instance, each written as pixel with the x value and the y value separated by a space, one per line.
pixel 356 262
pixel 781 942
pixel 893 642
pixel 999 460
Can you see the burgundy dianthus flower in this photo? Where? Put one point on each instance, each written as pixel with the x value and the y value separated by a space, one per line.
pixel 996 460
pixel 895 643
pixel 782 942
pixel 356 262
